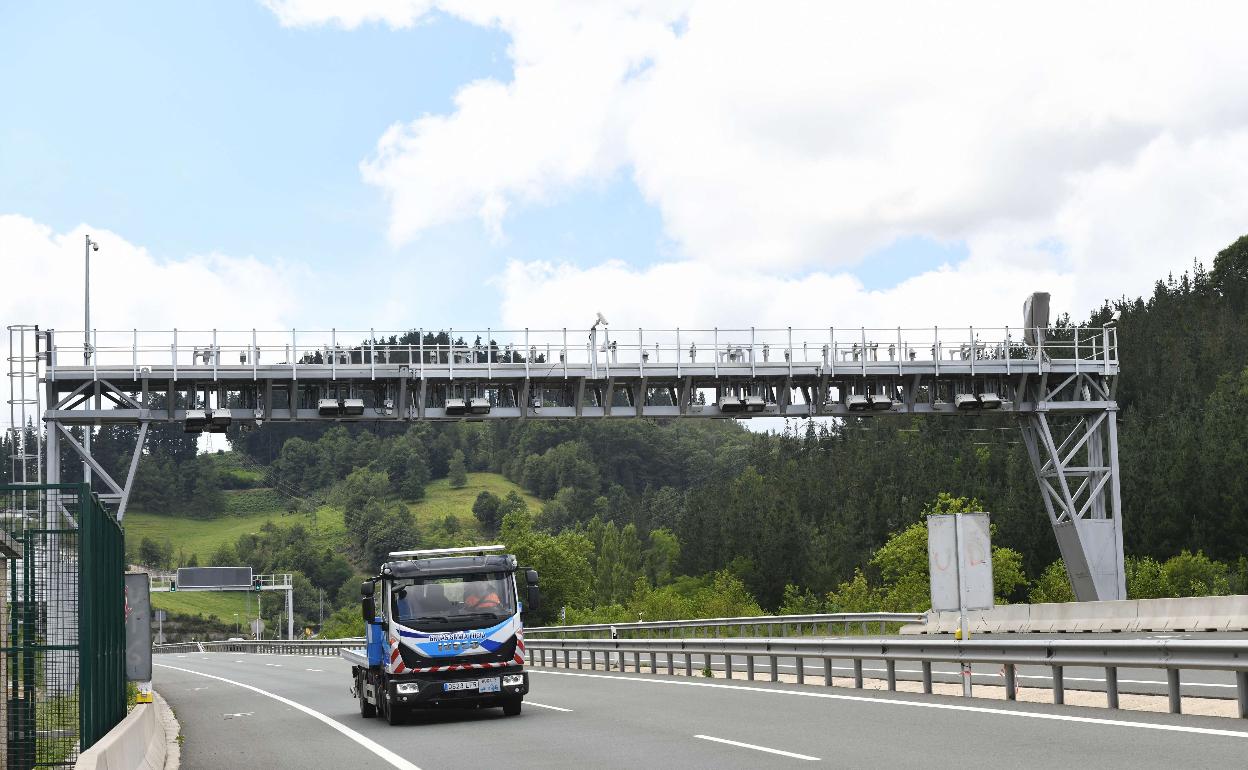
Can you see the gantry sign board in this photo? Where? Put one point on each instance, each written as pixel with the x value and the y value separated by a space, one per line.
pixel 214 577
pixel 959 559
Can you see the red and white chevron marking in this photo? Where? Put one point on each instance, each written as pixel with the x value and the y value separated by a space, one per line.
pixel 397 667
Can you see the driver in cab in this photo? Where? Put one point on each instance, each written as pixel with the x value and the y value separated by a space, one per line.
pixel 482 597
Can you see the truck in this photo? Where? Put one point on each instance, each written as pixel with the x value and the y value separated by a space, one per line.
pixel 443 629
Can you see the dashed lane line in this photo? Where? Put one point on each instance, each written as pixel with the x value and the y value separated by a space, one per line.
pixel 544 706
pixel 741 745
pixel 381 751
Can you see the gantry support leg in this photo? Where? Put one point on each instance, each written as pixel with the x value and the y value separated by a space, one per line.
pixel 1080 488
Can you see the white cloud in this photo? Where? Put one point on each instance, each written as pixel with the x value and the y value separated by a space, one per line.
pixel 805 135
pixel 131 288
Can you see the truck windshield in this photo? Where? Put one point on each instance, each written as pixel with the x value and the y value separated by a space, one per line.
pixel 435 602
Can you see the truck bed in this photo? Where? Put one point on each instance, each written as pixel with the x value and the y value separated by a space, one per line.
pixel 356 656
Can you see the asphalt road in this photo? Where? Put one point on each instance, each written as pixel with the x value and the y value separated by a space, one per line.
pixel 248 711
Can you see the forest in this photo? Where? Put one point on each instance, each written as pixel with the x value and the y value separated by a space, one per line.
pixel 664 518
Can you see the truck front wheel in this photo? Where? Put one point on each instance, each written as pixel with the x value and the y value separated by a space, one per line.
pixel 511 707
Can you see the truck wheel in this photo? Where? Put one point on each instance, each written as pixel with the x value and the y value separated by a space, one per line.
pixel 511 707
pixel 395 714
pixel 367 710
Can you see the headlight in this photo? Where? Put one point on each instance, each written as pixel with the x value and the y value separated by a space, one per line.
pixel 513 680
pixel 407 688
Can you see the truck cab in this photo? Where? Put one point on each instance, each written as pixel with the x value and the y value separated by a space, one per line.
pixel 443 628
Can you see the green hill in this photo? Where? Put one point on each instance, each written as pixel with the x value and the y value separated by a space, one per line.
pixel 202 536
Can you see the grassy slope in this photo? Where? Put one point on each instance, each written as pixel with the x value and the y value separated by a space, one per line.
pixel 222 604
pixel 202 537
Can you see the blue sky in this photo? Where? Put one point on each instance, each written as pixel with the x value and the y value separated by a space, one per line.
pixel 356 156
pixel 208 127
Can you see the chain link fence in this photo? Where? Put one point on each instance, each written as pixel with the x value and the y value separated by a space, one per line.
pixel 63 635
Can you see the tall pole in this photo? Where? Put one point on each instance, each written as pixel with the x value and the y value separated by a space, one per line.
pixel 86 340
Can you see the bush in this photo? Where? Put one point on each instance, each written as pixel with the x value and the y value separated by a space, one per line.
pixel 1052 586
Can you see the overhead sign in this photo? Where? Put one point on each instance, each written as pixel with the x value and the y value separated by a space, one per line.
pixel 138 627
pixel 959 559
pixel 214 577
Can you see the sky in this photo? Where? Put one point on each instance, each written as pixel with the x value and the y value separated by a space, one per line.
pixel 393 164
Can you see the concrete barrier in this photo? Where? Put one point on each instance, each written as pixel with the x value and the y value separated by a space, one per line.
pixel 1206 613
pixel 145 740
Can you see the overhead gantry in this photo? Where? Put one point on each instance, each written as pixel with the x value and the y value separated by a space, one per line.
pixel 1059 382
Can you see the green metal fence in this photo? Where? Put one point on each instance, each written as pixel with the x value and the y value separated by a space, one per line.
pixel 63 637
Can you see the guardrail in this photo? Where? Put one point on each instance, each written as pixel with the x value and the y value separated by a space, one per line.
pixel 328 647
pixel 1172 655
pixel 788 625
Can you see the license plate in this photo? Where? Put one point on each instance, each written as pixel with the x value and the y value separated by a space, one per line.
pixel 488 685
pixel 468 685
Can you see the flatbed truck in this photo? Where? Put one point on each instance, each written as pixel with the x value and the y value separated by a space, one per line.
pixel 443 629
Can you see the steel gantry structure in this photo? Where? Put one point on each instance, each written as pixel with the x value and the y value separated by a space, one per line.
pixel 1058 382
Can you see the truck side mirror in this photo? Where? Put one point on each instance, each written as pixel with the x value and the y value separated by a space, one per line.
pixel 368 605
pixel 534 602
pixel 530 577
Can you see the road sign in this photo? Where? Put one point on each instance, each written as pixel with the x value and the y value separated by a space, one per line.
pixel 214 577
pixel 959 557
pixel 959 564
pixel 257 627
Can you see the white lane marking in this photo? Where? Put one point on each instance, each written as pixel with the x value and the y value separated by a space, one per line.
pixel 757 748
pixel 544 706
pixel 381 751
pixel 919 704
pixel 238 661
pixel 240 714
pixel 274 665
pixel 314 669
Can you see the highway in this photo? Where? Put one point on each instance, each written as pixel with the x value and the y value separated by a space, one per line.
pixel 252 710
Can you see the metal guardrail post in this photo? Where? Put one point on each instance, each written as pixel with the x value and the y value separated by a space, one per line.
pixel 749 667
pixel 727 666
pixel 1241 691
pixel 801 670
pixel 1111 687
pixel 654 666
pixel 1059 687
pixel 927 677
pixel 891 665
pixel 774 662
pixel 858 673
pixel 688 664
pixel 827 672
pixel 671 669
pixel 706 662
pixel 1172 686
